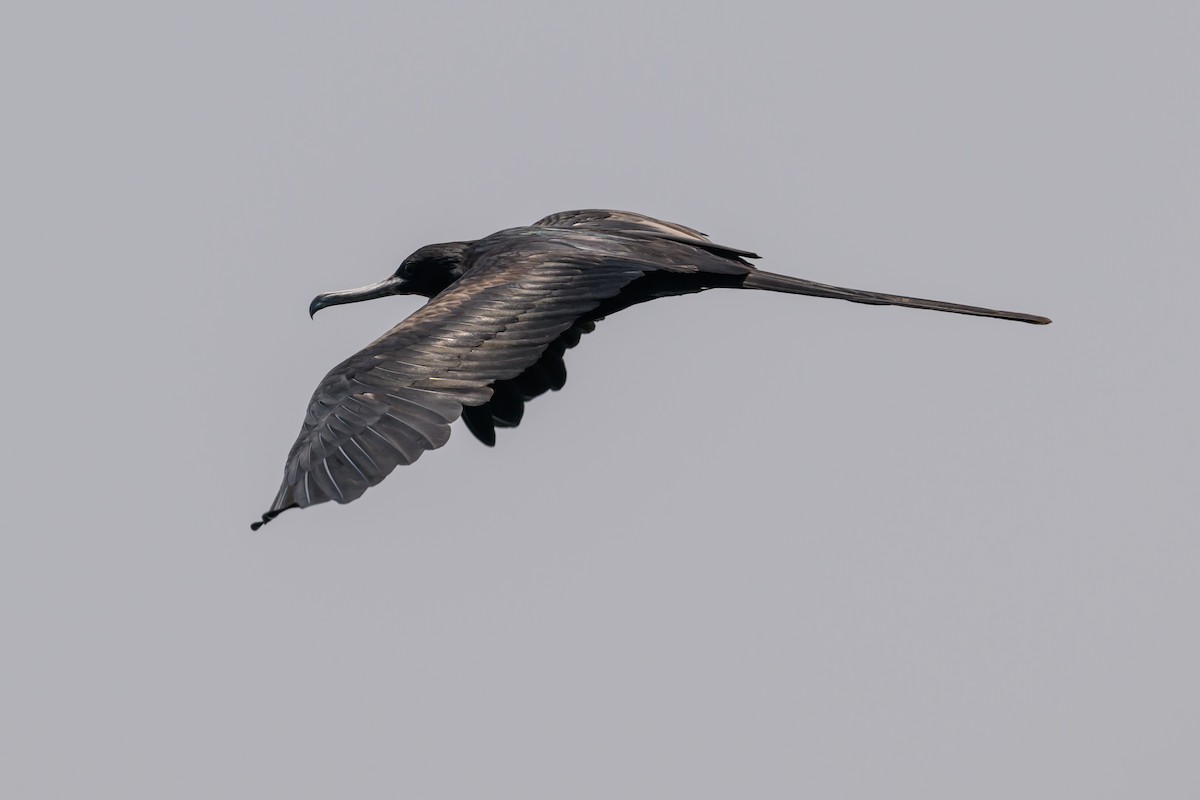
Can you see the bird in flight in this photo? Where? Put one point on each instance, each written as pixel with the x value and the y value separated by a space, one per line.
pixel 503 311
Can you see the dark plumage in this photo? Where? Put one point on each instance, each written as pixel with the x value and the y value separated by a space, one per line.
pixel 503 311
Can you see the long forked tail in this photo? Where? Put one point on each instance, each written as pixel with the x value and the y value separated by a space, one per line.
pixel 785 283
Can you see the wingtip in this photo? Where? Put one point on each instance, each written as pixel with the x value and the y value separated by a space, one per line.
pixel 270 515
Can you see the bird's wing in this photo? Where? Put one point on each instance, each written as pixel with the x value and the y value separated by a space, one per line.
pixel 389 403
pixel 620 222
pixel 630 223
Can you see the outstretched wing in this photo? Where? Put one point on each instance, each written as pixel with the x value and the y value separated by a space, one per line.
pixel 389 403
pixel 606 219
pixel 630 223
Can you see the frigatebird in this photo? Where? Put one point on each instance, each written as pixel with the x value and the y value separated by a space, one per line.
pixel 502 312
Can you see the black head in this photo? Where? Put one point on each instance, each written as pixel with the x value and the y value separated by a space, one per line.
pixel 426 272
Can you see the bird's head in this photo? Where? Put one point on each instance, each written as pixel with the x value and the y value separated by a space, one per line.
pixel 426 272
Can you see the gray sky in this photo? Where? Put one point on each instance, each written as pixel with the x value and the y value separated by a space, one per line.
pixel 760 546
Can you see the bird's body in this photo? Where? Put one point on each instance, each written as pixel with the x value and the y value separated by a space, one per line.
pixel 502 312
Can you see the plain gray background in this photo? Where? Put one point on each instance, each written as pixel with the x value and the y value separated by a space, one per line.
pixel 760 546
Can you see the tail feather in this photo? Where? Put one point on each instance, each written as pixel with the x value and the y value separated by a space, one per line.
pixel 785 283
